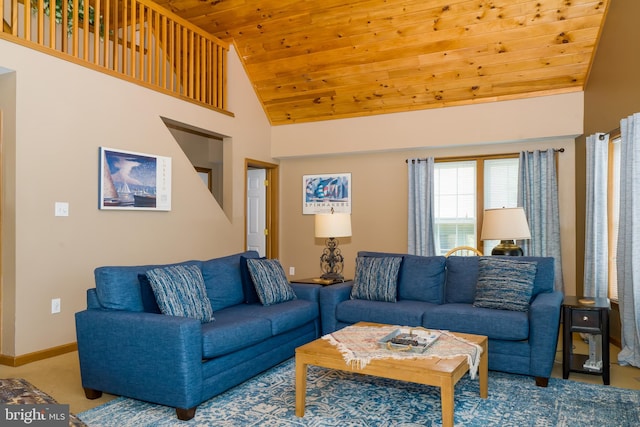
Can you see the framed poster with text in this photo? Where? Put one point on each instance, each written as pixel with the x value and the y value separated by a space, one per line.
pixel 320 193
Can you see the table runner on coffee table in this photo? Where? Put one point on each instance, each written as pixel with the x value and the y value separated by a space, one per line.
pixel 359 346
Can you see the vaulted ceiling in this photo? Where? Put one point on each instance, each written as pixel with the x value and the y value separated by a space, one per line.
pixel 312 60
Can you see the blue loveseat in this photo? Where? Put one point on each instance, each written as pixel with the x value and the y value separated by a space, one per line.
pixel 439 293
pixel 128 348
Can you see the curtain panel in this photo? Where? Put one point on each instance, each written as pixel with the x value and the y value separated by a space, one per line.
pixel 596 244
pixel 421 239
pixel 629 241
pixel 538 195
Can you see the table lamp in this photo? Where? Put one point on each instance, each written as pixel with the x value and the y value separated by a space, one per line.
pixel 330 226
pixel 506 225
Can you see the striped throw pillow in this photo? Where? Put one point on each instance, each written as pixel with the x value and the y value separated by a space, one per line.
pixel 505 283
pixel 376 278
pixel 270 281
pixel 180 291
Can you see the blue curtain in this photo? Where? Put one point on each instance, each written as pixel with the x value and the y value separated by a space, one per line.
pixel 596 244
pixel 538 195
pixel 421 239
pixel 629 241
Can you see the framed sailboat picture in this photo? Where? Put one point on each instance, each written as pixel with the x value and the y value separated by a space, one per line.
pixel 134 181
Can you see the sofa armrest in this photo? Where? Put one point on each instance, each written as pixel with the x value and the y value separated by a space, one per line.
pixel 330 297
pixel 307 292
pixel 544 325
pixel 146 356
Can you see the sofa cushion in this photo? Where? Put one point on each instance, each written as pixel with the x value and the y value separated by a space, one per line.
pixel 149 302
pixel 270 281
pixel 402 312
pixel 462 277
pixel 233 330
pixel 505 284
pixel 118 287
pixel 422 278
pixel 180 291
pixel 283 317
pixel 223 280
pixel 376 279
pixel 496 324
pixel 545 274
pixel 248 287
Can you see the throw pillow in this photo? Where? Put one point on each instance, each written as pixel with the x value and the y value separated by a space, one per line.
pixel 180 291
pixel 376 278
pixel 270 281
pixel 505 283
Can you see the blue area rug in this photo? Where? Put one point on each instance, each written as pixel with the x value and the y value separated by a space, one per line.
pixel 342 399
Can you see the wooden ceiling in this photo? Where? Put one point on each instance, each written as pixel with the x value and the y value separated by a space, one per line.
pixel 312 60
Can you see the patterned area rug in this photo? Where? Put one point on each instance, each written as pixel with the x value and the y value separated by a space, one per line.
pixel 18 391
pixel 342 399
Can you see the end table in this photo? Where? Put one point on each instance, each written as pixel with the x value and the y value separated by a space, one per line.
pixel 590 316
pixel 319 281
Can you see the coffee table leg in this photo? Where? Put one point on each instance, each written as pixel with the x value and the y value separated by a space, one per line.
pixel 446 397
pixel 301 386
pixel 483 373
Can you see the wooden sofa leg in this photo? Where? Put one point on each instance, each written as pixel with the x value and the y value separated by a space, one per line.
pixel 91 393
pixel 542 381
pixel 186 414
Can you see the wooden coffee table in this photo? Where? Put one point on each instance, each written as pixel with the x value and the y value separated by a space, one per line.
pixel 434 371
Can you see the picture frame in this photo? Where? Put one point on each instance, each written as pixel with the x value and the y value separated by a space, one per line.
pixel 324 192
pixel 134 181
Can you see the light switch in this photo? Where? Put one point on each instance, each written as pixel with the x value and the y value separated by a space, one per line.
pixel 62 209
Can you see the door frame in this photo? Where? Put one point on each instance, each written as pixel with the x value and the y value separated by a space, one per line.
pixel 271 210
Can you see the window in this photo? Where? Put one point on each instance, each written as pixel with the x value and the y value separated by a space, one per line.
pixel 463 188
pixel 613 211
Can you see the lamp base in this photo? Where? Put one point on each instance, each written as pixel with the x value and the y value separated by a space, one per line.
pixel 332 261
pixel 335 277
pixel 507 248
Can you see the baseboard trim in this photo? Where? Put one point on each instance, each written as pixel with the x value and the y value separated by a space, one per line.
pixel 15 361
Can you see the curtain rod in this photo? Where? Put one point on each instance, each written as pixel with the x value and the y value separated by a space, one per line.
pixel 615 131
pixel 557 150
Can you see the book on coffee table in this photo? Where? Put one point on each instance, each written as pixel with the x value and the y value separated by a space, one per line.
pixel 409 339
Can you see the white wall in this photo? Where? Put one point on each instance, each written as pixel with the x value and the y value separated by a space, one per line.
pixel 374 149
pixel 478 124
pixel 63 113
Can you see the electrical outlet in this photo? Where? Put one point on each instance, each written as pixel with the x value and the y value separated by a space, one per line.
pixel 292 271
pixel 55 305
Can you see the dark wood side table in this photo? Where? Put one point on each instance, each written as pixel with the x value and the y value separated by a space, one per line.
pixel 319 281
pixel 590 319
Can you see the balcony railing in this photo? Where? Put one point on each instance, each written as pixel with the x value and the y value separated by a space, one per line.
pixel 135 39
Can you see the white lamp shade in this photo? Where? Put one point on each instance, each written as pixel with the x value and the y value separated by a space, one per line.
pixel 333 225
pixel 505 224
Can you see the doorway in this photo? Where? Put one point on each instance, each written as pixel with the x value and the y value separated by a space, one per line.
pixel 261 207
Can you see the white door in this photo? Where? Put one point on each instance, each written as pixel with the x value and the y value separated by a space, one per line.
pixel 256 210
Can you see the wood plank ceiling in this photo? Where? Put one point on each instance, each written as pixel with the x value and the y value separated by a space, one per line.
pixel 312 60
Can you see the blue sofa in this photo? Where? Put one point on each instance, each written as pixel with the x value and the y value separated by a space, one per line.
pixel 438 293
pixel 128 348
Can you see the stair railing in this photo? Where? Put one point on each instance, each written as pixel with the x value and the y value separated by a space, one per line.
pixel 136 40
